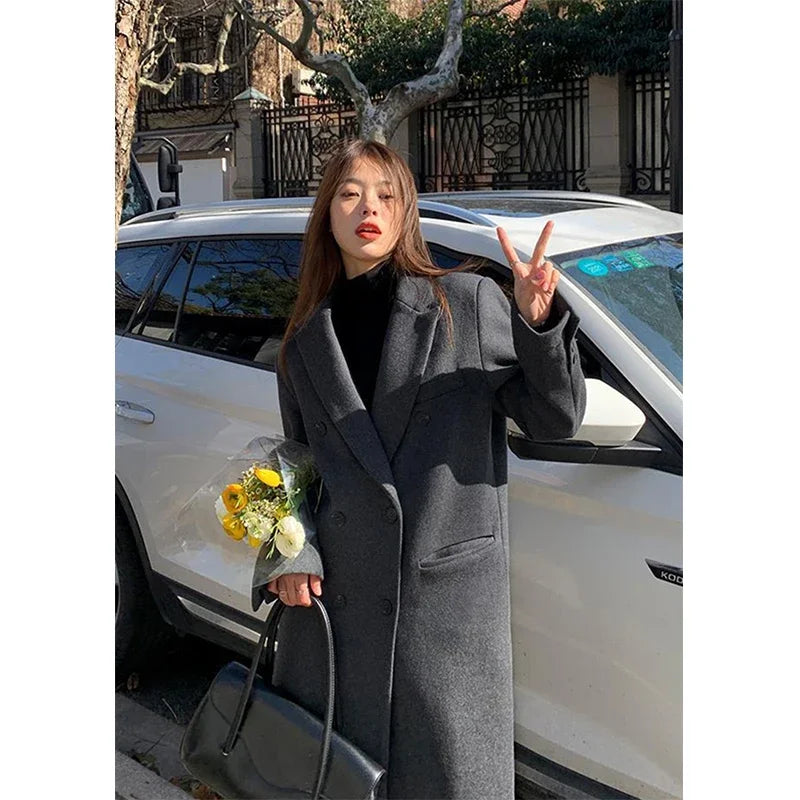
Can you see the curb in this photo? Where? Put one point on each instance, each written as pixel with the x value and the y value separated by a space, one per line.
pixel 133 781
pixel 148 753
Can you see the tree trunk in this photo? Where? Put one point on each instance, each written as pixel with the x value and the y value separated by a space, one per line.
pixel 131 28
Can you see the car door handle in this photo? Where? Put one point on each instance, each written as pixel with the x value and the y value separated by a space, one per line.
pixel 137 413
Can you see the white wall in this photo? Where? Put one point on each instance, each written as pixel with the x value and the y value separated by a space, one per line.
pixel 203 180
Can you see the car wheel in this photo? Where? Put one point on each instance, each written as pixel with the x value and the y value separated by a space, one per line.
pixel 139 628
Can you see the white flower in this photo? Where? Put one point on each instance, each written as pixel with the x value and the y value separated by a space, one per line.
pixel 290 536
pixel 219 508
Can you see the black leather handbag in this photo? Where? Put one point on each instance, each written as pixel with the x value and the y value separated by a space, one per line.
pixel 247 741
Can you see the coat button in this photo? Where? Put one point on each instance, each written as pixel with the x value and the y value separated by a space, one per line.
pixel 424 418
pixel 320 427
pixel 386 607
pixel 390 514
pixel 337 518
pixel 340 601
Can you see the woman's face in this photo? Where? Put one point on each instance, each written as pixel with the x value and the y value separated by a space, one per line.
pixel 365 217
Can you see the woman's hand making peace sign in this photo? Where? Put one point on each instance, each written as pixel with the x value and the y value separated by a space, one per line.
pixel 535 281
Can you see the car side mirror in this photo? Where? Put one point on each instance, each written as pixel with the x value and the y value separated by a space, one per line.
pixel 606 435
pixel 611 420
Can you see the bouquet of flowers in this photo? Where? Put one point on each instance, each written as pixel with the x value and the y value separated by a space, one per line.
pixel 263 507
pixel 263 497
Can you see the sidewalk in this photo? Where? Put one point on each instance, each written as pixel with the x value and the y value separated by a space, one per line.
pixel 133 781
pixel 147 754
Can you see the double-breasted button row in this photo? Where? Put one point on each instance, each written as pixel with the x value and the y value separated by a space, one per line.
pixel 386 607
pixel 424 417
pixel 390 514
pixel 320 427
pixel 340 601
pixel 338 518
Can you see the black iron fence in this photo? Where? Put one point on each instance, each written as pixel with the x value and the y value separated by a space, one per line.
pixel 298 140
pixel 649 159
pixel 518 140
pixel 514 140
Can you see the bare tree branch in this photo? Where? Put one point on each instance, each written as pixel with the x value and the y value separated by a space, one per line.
pixel 377 121
pixel 439 83
pixel 333 64
pixel 216 66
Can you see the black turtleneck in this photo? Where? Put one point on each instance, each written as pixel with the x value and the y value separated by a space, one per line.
pixel 360 310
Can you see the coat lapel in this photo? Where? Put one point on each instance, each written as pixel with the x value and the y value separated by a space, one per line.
pixel 409 335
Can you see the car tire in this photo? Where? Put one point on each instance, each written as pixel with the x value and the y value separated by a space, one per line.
pixel 139 628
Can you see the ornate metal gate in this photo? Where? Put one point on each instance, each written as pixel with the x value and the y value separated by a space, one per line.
pixel 650 144
pixel 298 141
pixel 517 140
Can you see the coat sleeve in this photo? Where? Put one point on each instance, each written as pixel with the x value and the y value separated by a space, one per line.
pixel 309 559
pixel 533 373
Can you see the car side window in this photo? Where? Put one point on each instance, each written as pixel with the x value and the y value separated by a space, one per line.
pixel 163 314
pixel 233 298
pixel 135 268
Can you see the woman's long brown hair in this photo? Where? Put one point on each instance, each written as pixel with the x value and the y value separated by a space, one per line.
pixel 321 262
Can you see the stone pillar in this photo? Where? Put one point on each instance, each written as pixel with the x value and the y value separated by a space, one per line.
pixel 399 141
pixel 609 132
pixel 413 122
pixel 250 168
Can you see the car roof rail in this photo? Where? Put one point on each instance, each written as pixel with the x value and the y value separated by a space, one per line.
pixel 227 207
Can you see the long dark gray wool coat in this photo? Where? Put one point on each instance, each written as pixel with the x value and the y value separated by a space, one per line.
pixel 413 528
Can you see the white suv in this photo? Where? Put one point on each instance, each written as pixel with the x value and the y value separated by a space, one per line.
pixel 203 296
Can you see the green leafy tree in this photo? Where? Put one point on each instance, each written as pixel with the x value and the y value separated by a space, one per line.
pixel 547 44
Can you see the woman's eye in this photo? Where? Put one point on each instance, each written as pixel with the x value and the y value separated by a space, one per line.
pixel 348 194
pixel 388 197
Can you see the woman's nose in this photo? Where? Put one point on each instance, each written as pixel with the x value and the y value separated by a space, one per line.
pixel 369 207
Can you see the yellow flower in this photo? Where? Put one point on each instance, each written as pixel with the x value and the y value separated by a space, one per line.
pixel 280 512
pixel 234 497
pixel 252 541
pixel 234 527
pixel 268 476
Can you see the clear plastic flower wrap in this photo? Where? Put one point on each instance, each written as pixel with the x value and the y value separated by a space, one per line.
pixel 264 497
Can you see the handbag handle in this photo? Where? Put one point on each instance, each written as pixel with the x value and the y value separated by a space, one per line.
pixel 268 635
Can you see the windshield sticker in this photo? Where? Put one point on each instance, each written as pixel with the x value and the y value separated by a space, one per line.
pixel 593 267
pixel 617 264
pixel 637 259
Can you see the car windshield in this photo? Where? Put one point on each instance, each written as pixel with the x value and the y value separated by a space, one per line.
pixel 640 283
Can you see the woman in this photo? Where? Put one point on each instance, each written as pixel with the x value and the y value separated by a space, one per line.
pixel 400 377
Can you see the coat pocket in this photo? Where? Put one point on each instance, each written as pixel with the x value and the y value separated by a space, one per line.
pixel 456 552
